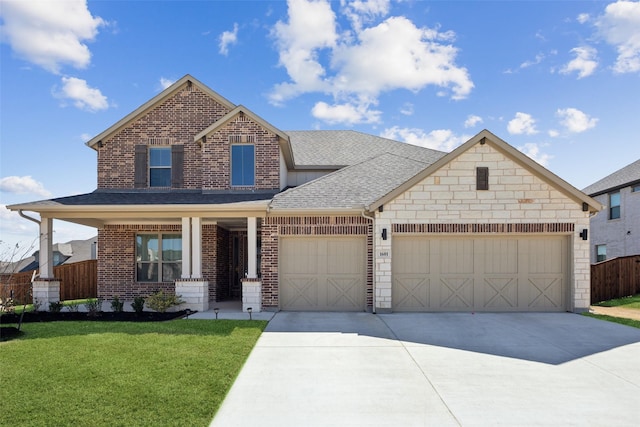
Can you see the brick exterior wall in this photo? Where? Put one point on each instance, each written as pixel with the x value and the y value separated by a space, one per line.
pixel 517 202
pixel 117 261
pixel 216 153
pixel 175 121
pixel 274 227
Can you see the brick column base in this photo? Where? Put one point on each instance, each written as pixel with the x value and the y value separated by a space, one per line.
pixel 194 293
pixel 252 295
pixel 45 291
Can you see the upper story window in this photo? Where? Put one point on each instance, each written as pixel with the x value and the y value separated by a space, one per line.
pixel 243 165
pixel 614 205
pixel 635 188
pixel 160 167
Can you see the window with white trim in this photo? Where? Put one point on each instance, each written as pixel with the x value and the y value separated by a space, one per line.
pixel 158 257
pixel 601 253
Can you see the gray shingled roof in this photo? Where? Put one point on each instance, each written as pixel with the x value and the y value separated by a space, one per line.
pixel 355 186
pixel 337 148
pixel 626 176
pixel 168 197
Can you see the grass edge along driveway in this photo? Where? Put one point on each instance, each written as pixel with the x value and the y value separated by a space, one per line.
pixel 123 373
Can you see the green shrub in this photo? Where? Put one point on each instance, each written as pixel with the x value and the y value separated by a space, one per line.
pixel 93 306
pixel 73 307
pixel 55 306
pixel 138 304
pixel 159 301
pixel 117 305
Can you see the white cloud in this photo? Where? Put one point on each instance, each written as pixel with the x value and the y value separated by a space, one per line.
pixel 367 59
pixel 407 109
pixel 533 150
pixel 523 123
pixel 83 96
pixel 228 38
pixel 472 120
pixel 575 121
pixel 360 12
pixel 536 61
pixel 311 27
pixel 345 113
pixel 584 63
pixel 553 133
pixel 23 185
pixel 165 83
pixel 50 33
pixel 620 27
pixel 583 17
pixel 440 139
pixel 85 137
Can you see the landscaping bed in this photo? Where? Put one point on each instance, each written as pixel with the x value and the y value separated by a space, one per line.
pixel 9 332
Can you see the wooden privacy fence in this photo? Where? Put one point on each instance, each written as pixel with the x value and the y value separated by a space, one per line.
pixel 615 278
pixel 77 281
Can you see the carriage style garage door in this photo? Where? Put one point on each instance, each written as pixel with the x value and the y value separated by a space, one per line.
pixel 322 273
pixel 480 273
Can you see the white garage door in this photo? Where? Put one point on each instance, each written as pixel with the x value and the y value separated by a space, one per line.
pixel 322 273
pixel 480 273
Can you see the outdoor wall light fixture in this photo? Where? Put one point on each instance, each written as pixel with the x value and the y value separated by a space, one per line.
pixel 384 234
pixel 584 234
pixel 250 309
pixel 216 310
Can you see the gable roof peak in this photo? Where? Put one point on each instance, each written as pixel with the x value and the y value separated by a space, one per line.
pixel 187 79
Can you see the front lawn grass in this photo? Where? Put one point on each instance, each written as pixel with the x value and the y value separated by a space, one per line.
pixel 172 373
pixel 621 320
pixel 626 302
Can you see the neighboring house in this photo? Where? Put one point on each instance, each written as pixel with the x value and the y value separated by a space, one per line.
pixel 202 197
pixel 615 231
pixel 61 253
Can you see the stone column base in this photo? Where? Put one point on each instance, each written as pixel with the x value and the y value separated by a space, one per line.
pixel 252 295
pixel 194 293
pixel 45 291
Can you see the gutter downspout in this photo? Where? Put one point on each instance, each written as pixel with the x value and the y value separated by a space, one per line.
pixel 373 255
pixel 28 217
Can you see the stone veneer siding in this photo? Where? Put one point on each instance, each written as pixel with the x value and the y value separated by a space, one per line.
pixel 517 201
pixel 117 262
pixel 274 227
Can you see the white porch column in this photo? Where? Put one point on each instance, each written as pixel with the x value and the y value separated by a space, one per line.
pixel 196 248
pixel 191 287
pixel 186 248
pixel 46 289
pixel 252 247
pixel 46 248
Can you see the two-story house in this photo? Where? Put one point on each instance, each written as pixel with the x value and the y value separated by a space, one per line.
pixel 199 196
pixel 615 231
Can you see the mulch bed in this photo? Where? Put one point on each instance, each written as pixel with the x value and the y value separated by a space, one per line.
pixel 9 332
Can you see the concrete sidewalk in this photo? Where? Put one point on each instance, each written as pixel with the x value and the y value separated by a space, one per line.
pixel 357 369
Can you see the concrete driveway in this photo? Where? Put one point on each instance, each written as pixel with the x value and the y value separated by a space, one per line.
pixel 360 369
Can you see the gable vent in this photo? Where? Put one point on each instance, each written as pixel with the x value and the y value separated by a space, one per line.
pixel 235 139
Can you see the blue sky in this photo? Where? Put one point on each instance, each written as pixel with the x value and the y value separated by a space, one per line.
pixel 558 80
